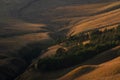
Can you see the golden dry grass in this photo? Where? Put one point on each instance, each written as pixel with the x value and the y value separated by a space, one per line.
pixel 97 20
pixel 104 72
pixel 105 66
pixel 80 18
pixel 50 51
pixel 78 71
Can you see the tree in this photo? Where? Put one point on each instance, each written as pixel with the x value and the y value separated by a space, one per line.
pixel 60 52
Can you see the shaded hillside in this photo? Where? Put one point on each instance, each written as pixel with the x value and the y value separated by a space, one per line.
pixel 39 8
pixel 35 29
pixel 36 7
pixel 92 54
pixel 96 61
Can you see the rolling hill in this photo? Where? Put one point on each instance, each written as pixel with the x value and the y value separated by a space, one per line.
pixel 32 29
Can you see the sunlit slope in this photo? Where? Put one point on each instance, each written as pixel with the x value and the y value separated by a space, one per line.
pixel 98 65
pixel 102 67
pixel 89 8
pixel 30 21
pixel 109 16
pixel 104 72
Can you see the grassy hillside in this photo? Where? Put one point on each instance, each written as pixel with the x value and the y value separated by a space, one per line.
pixel 89 57
pixel 34 30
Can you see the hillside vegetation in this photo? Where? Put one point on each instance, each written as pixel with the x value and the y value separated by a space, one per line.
pixel 46 39
pixel 79 54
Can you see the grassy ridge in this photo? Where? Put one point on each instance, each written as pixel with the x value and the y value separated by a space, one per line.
pixel 100 41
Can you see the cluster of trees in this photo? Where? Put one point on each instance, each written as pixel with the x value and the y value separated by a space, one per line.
pixel 99 42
